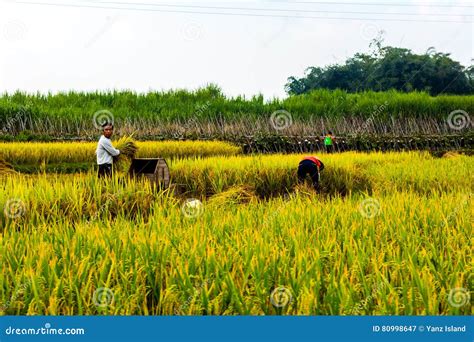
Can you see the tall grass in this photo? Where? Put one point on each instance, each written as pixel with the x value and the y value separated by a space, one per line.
pixel 207 112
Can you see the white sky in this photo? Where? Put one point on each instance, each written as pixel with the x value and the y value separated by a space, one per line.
pixel 61 48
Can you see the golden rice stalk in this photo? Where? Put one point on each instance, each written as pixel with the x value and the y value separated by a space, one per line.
pixel 234 195
pixel 451 154
pixel 304 190
pixel 127 146
pixel 128 149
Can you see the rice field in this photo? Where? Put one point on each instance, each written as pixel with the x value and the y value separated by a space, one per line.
pixel 389 233
pixel 74 152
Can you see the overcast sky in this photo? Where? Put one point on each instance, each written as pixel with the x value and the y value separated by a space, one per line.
pixel 134 45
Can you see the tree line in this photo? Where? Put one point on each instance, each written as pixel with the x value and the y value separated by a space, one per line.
pixel 386 68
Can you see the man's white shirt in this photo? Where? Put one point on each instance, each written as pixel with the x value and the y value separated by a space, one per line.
pixel 105 151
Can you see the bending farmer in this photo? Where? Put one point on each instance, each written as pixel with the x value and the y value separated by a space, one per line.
pixel 105 151
pixel 312 166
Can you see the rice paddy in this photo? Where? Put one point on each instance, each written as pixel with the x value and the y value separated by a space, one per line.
pixel 389 233
pixel 72 152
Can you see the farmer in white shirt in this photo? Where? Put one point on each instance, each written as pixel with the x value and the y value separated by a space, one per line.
pixel 105 151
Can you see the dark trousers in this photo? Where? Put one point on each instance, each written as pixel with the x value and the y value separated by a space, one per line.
pixel 105 170
pixel 329 148
pixel 307 167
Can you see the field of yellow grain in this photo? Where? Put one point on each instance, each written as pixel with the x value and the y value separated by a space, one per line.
pixel 388 234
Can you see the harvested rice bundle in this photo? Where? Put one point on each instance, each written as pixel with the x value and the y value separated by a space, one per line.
pixel 234 195
pixel 128 149
pixel 5 168
pixel 451 154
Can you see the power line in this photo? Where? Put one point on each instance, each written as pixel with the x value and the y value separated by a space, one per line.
pixel 380 4
pixel 282 10
pixel 240 14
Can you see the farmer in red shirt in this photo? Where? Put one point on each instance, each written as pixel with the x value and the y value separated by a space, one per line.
pixel 312 166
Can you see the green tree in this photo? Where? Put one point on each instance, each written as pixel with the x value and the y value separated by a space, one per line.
pixel 389 68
